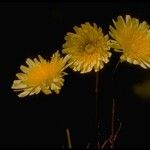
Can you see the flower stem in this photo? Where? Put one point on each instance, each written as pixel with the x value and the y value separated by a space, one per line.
pixel 113 109
pixel 112 123
pixel 97 106
pixel 68 138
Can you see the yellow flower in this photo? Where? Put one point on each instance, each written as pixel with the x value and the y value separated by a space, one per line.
pixel 41 75
pixel 87 48
pixel 132 39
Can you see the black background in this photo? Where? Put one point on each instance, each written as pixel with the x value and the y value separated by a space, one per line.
pixel 29 29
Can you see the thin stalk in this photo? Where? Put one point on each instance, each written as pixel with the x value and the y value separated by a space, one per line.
pixel 113 110
pixel 97 105
pixel 68 138
pixel 113 123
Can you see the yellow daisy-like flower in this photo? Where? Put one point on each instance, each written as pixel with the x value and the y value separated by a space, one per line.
pixel 132 39
pixel 87 48
pixel 41 75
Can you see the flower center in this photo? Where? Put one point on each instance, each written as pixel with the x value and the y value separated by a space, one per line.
pixel 89 48
pixel 38 75
pixel 136 49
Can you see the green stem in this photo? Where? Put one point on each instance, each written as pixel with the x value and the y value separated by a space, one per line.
pixel 113 123
pixel 97 105
pixel 113 111
pixel 68 138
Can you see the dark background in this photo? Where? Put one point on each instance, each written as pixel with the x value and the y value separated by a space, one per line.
pixel 29 29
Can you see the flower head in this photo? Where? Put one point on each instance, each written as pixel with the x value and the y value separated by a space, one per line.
pixel 87 48
pixel 41 75
pixel 132 39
